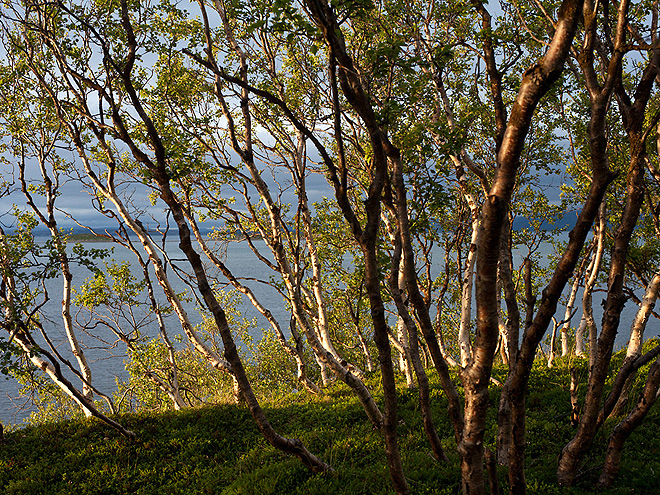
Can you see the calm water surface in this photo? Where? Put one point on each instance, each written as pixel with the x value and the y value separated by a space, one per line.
pixel 108 365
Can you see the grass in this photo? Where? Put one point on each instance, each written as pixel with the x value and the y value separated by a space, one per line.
pixel 218 449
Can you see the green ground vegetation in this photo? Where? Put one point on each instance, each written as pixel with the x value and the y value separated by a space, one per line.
pixel 218 449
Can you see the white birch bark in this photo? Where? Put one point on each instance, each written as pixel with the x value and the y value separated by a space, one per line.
pixel 33 355
pixel 19 333
pixel 467 277
pixel 579 337
pixel 405 363
pixel 637 339
pixel 553 340
pixel 295 353
pixel 467 283
pixel 588 321
pixel 152 251
pixel 48 219
pixel 318 299
pixel 74 344
pixel 293 290
pixel 317 285
pixel 642 317
pixel 568 314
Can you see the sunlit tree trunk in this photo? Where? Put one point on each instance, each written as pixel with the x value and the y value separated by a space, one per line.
pixel 467 283
pixel 476 376
pixel 570 305
pixel 404 357
pixel 637 339
pixel 623 430
pixel 317 277
pixel 342 70
pixel 51 191
pixel 297 352
pixel 512 325
pixel 633 118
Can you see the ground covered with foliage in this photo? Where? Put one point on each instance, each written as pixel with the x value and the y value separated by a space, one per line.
pixel 218 449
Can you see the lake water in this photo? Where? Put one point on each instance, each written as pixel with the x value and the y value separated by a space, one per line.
pixel 108 365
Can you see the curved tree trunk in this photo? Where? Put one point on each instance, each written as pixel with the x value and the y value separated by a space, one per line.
pixel 633 118
pixel 19 331
pixel 637 339
pixel 589 286
pixel 291 446
pixel 171 385
pixel 355 317
pixel 628 368
pixel 297 352
pixel 404 275
pixel 51 191
pixel 623 430
pixel 476 376
pixel 574 451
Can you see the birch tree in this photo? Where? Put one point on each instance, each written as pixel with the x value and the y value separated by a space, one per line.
pixel 420 117
pixel 118 75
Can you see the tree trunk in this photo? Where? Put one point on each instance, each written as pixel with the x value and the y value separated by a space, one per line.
pixel 574 451
pixel 633 119
pixel 509 288
pixel 637 339
pixel 628 368
pixel 51 192
pixel 476 376
pixel 587 321
pixel 405 364
pixel 297 352
pixel 568 314
pixel 172 388
pixel 623 430
pixel 467 282
pixel 53 371
pixel 291 446
pixel 355 317
pixel 405 276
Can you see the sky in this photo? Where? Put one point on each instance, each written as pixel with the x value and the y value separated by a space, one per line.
pixel 76 201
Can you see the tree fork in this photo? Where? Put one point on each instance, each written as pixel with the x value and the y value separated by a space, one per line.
pixel 633 115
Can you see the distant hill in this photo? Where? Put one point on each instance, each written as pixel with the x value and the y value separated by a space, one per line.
pixel 567 222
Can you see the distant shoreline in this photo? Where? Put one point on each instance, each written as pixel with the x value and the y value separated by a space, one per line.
pixel 88 237
pixel 91 237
